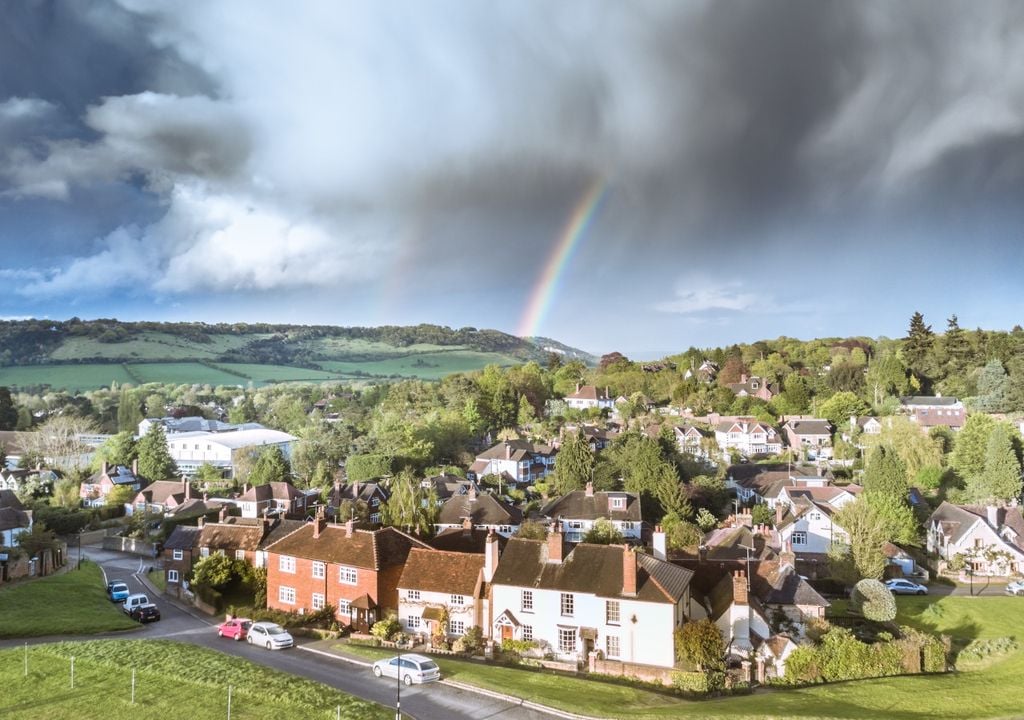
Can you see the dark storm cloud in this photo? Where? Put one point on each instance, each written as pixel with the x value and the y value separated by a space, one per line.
pixel 344 134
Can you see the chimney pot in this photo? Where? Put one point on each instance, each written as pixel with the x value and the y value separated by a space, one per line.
pixel 659 543
pixel 348 528
pixel 223 514
pixel 590 489
pixel 467 524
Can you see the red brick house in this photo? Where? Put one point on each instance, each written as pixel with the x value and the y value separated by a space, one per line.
pixel 355 571
pixel 179 555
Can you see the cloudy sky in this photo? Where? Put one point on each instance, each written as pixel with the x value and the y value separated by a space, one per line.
pixel 761 168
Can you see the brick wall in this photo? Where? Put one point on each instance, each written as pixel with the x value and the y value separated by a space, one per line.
pixel 647 673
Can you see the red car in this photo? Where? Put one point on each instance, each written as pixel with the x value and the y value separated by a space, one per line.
pixel 236 628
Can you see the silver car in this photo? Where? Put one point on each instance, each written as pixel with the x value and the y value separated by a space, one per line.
pixel 269 635
pixel 411 668
pixel 905 587
pixel 1015 588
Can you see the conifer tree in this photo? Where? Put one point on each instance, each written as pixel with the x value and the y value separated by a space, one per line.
pixel 1001 480
pixel 155 461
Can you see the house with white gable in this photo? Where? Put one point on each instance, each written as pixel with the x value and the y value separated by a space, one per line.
pixel 588 397
pixel 805 519
pixel 15 519
pixel 445 592
pixel 749 436
pixel 690 441
pixel 812 436
pixel 579 599
pixel 989 539
pixel 516 461
pixel 577 511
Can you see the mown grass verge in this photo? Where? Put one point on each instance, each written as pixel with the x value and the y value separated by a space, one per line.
pixel 173 680
pixel 73 603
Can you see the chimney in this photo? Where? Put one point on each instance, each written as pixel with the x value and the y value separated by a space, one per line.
pixel 628 571
pixel 105 467
pixel 743 377
pixel 348 527
pixel 135 467
pixel 319 523
pixel 490 555
pixel 779 512
pixel 787 556
pixel 992 513
pixel 739 588
pixel 355 489
pixel 702 553
pixel 590 489
pixel 467 525
pixel 245 488
pixel 188 489
pixel 223 514
pixel 555 543
pixel 206 497
pixel 508 451
pixel 577 388
pixel 472 492
pixel 201 522
pixel 659 543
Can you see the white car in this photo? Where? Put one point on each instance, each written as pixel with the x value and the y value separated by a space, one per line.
pixel 1015 588
pixel 411 668
pixel 905 587
pixel 269 635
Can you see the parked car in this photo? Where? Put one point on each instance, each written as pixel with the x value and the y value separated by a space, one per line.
pixel 146 613
pixel 236 628
pixel 133 601
pixel 118 591
pixel 412 668
pixel 1015 588
pixel 270 635
pixel 899 586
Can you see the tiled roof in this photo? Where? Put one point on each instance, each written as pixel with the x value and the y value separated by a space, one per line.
pixel 229 536
pixel 11 519
pixel 588 392
pixel 577 505
pixel 271 491
pixel 810 427
pixel 183 537
pixel 447 572
pixel 482 509
pixel 372 549
pixel 161 491
pixel 514 450
pixel 9 500
pixel 463 541
pixel 364 491
pixel 777 583
pixel 595 569
pixel 928 401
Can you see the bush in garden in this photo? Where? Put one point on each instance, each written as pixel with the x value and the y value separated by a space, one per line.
pixel 873 600
pixel 387 628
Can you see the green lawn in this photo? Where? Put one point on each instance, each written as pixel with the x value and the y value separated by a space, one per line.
pixel 989 692
pixel 74 602
pixel 73 378
pixel 158 579
pixel 184 372
pixel 263 374
pixel 173 680
pixel 426 365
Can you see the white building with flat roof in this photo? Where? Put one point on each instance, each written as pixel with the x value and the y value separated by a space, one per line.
pixel 190 450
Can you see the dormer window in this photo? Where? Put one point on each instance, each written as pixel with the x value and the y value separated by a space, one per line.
pixel 617 503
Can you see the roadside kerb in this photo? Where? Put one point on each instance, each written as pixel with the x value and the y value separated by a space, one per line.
pixel 511 699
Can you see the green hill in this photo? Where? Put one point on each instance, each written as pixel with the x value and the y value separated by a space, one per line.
pixel 83 354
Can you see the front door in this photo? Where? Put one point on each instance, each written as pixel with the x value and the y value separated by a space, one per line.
pixel 506 632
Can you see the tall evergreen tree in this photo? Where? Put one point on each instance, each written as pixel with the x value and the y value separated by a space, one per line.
pixel 993 388
pixel 155 461
pixel 129 411
pixel 1001 480
pixel 270 466
pixel 968 456
pixel 956 347
pixel 885 475
pixel 8 410
pixel 574 465
pixel 917 346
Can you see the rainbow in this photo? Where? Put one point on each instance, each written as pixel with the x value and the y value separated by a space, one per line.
pixel 544 289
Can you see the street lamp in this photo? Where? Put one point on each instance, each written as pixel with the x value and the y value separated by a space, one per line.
pixel 398 686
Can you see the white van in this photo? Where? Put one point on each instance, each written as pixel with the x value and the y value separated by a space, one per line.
pixel 134 601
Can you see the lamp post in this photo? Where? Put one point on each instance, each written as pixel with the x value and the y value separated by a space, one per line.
pixel 398 687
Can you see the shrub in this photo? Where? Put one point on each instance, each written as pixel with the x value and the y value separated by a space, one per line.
pixel 387 628
pixel 517 647
pixel 473 640
pixel 873 600
pixel 698 682
pixel 701 644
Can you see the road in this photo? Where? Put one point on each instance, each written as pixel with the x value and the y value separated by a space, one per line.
pixel 423 702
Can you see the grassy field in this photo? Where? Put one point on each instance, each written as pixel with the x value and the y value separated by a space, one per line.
pixel 173 680
pixel 992 691
pixel 184 372
pixel 429 366
pixel 73 378
pixel 74 602
pixel 151 346
pixel 264 374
